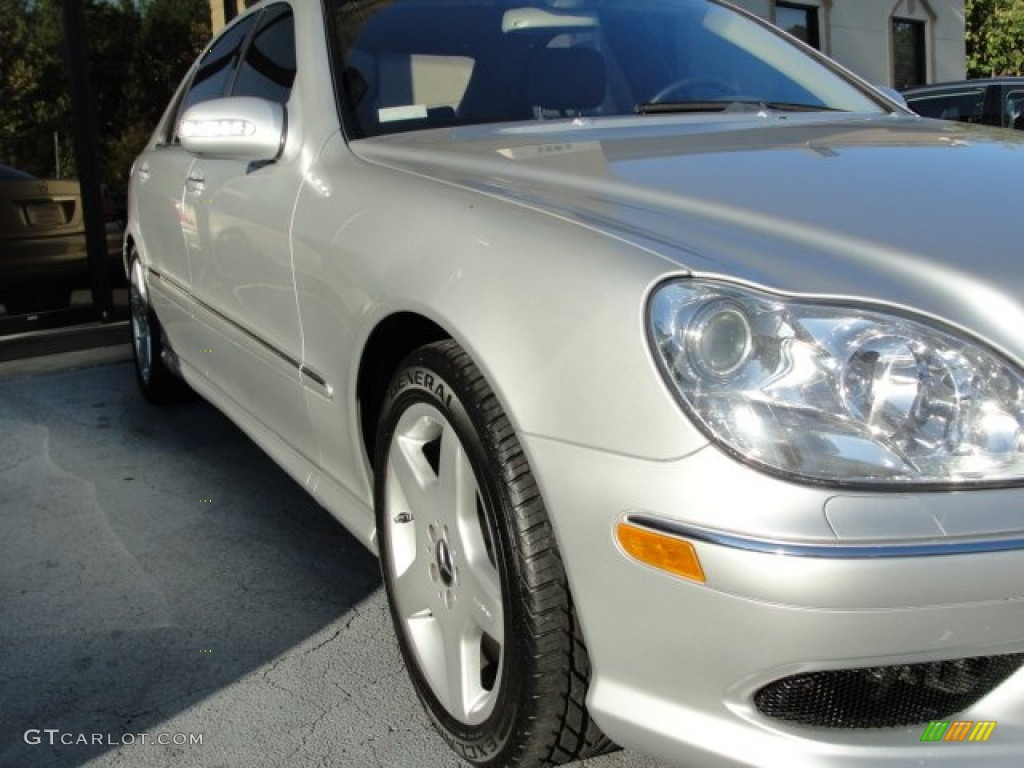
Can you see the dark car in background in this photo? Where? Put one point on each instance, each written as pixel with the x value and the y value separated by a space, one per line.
pixel 995 101
pixel 42 240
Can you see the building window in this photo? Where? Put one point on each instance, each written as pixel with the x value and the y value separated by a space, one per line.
pixel 801 21
pixel 910 66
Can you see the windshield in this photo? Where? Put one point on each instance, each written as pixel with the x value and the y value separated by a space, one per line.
pixel 406 65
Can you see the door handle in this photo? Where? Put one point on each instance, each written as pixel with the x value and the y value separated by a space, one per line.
pixel 144 172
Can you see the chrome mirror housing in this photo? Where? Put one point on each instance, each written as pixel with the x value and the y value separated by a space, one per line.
pixel 242 128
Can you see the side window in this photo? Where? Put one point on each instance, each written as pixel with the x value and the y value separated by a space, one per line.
pixel 966 106
pixel 1015 110
pixel 269 66
pixel 217 66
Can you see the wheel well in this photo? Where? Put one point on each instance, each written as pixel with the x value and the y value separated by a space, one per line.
pixel 126 253
pixel 389 344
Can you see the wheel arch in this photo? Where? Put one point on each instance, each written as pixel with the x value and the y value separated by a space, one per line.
pixel 389 343
pixel 133 241
pixel 130 245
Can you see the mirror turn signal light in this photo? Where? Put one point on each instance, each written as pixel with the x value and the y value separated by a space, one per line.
pixel 664 552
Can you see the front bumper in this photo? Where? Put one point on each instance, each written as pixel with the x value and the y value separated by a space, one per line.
pixel 676 663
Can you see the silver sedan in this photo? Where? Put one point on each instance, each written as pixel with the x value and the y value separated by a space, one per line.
pixel 675 374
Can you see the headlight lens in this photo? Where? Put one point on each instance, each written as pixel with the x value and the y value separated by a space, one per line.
pixel 838 394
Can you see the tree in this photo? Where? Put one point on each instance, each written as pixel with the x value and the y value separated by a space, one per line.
pixel 33 87
pixel 138 53
pixel 995 37
pixel 113 32
pixel 173 34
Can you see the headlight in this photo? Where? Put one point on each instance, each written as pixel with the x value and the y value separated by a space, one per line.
pixel 838 394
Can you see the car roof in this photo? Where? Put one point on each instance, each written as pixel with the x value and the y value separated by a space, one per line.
pixel 973 82
pixel 6 172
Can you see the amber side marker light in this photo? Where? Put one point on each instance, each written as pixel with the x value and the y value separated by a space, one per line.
pixel 667 553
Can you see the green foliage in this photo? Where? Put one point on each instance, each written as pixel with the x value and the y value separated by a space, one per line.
pixel 32 87
pixel 138 53
pixel 173 34
pixel 995 37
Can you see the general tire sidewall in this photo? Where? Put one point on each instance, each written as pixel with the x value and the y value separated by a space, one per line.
pixel 425 379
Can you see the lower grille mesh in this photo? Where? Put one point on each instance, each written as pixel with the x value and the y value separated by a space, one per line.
pixel 885 697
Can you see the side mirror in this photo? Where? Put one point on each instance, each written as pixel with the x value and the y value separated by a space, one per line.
pixel 239 127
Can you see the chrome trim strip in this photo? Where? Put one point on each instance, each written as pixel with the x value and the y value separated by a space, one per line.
pixel 838 551
pixel 310 376
pixel 316 381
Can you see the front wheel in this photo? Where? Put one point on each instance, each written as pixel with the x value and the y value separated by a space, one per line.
pixel 475 583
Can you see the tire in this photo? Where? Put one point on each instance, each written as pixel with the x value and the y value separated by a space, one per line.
pixel 475 583
pixel 157 382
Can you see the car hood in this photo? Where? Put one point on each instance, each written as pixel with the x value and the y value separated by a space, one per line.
pixel 902 211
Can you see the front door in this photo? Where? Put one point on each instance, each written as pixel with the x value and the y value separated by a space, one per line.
pixel 242 278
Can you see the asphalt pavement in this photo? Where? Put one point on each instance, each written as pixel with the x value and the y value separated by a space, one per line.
pixel 169 597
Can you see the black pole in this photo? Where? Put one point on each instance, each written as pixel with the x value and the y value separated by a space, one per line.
pixel 84 115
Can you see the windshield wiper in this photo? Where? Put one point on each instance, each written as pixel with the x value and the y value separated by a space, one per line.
pixel 723 105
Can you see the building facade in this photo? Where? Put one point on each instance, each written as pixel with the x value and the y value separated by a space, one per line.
pixel 898 43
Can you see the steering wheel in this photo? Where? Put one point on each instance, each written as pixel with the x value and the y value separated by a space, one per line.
pixel 695 89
